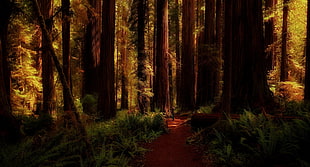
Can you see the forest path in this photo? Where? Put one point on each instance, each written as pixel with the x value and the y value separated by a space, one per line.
pixel 171 150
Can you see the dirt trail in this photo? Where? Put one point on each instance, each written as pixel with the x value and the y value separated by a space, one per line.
pixel 171 150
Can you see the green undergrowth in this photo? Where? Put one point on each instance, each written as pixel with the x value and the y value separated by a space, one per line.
pixel 110 143
pixel 255 140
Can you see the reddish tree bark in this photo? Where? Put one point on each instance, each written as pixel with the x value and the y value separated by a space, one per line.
pixel 66 48
pixel 187 94
pixel 142 76
pixel 47 62
pixel 106 101
pixel 284 56
pixel 162 94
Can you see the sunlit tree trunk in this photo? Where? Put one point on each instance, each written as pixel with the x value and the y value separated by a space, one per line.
pixel 307 77
pixel 187 91
pixel 284 56
pixel 47 63
pixel 142 76
pixel 269 34
pixel 91 54
pixel 66 48
pixel 124 61
pixel 106 102
pixel 162 94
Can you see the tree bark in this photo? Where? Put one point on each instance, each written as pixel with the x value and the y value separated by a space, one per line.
pixel 244 46
pixel 178 55
pixel 142 76
pixel 284 56
pixel 208 60
pixel 91 56
pixel 124 61
pixel 187 96
pixel 269 34
pixel 9 126
pixel 49 103
pixel 66 48
pixel 162 94
pixel 106 101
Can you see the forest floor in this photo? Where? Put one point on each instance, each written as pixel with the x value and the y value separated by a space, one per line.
pixel 171 149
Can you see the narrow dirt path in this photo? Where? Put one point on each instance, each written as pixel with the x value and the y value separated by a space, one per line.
pixel 171 150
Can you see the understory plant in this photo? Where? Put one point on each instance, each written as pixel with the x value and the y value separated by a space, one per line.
pixel 110 143
pixel 254 140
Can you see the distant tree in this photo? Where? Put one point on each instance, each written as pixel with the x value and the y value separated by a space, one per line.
pixel 307 77
pixel 91 55
pixel 284 56
pixel 245 81
pixel 208 66
pixel 66 48
pixel 142 76
pixel 9 126
pixel 124 57
pixel 47 62
pixel 270 35
pixel 106 101
pixel 161 93
pixel 187 94
pixel 177 52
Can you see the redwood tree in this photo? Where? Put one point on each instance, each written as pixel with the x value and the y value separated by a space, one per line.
pixel 270 36
pixel 284 56
pixel 142 76
pixel 124 59
pixel 106 101
pixel 208 81
pixel 187 90
pixel 9 127
pixel 47 62
pixel 161 93
pixel 66 48
pixel 244 48
pixel 91 56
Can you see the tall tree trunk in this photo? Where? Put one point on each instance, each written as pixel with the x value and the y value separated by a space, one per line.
pixel 228 51
pixel 142 76
pixel 162 94
pixel 66 48
pixel 187 99
pixel 219 45
pixel 269 34
pixel 307 77
pixel 207 58
pixel 106 101
pixel 244 42
pixel 47 62
pixel 9 126
pixel 177 52
pixel 91 55
pixel 284 56
pixel 124 61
